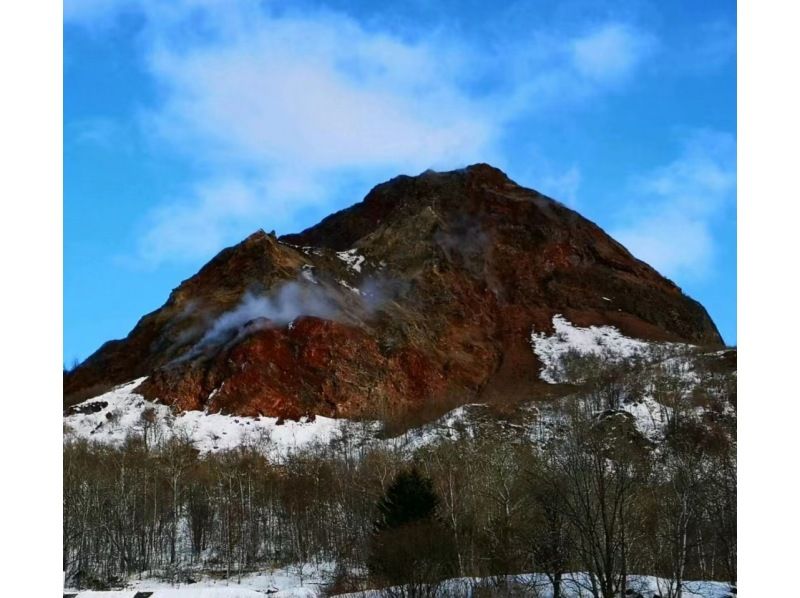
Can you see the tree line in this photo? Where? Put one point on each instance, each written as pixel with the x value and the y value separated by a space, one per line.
pixel 596 497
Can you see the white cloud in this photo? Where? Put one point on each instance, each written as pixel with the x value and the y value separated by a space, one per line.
pixel 323 93
pixel 219 211
pixel 198 226
pixel 610 53
pixel 293 106
pixel 670 224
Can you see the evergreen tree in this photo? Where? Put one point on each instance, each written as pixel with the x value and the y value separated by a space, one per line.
pixel 410 498
pixel 411 546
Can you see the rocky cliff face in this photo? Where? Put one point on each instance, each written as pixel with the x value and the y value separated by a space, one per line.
pixel 425 291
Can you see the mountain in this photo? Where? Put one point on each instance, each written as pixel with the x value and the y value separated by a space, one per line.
pixel 426 292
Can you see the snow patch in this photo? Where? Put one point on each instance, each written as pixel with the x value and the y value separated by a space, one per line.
pixel 450 426
pixel 351 258
pixel 350 288
pixel 311 251
pixel 649 416
pixel 603 341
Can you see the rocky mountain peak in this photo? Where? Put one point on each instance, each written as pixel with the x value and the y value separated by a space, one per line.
pixel 425 291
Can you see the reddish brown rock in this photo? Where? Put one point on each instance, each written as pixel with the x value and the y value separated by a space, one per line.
pixel 459 267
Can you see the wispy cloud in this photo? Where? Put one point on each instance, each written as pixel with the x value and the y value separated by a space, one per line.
pixel 200 224
pixel 321 92
pixel 670 222
pixel 288 108
pixel 611 53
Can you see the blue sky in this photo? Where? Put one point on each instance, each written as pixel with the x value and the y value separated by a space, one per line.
pixel 189 124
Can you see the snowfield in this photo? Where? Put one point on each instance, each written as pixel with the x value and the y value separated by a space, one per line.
pixel 603 341
pixel 182 593
pixel 111 417
pixel 279 583
pixel 285 584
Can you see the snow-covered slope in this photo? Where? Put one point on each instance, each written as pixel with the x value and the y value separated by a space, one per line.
pixel 569 345
pixel 111 417
pixel 602 341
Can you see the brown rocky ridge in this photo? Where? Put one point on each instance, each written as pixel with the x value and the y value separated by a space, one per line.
pixel 424 292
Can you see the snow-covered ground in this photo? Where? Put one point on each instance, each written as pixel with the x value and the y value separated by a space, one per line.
pixel 111 417
pixel 650 416
pixel 185 593
pixel 126 412
pixel 573 585
pixel 453 425
pixel 609 345
pixel 279 583
pixel 602 341
pixel 286 584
